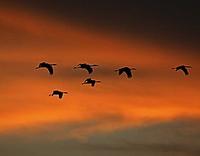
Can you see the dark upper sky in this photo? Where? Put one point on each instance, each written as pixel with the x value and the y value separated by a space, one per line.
pixel 170 21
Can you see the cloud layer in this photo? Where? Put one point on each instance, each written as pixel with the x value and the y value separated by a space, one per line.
pixel 156 94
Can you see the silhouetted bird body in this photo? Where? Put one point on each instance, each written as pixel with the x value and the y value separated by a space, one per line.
pixel 183 68
pixel 126 70
pixel 59 93
pixel 91 81
pixel 46 65
pixel 86 66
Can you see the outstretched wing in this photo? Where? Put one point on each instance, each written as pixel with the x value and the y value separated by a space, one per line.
pixel 185 71
pixel 93 83
pixel 50 68
pixel 121 71
pixel 60 95
pixel 128 73
pixel 89 69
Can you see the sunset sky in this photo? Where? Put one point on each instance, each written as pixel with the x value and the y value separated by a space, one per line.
pixel 156 113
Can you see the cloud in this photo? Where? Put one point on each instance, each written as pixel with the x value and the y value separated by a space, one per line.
pixel 176 137
pixel 155 21
pixel 154 89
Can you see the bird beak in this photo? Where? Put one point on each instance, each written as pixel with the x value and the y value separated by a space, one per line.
pixel 133 69
pixel 37 67
pixel 50 94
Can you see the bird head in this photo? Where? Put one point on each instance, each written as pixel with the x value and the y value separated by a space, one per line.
pixel 39 66
pixel 87 81
pixel 77 66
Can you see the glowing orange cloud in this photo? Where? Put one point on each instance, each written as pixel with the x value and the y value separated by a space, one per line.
pixel 151 96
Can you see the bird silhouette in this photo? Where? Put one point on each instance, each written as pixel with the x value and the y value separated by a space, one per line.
pixel 88 67
pixel 183 68
pixel 90 81
pixel 59 93
pixel 46 65
pixel 126 70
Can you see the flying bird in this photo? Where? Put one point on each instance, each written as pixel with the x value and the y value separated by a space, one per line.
pixel 90 81
pixel 46 65
pixel 88 67
pixel 126 70
pixel 184 68
pixel 59 93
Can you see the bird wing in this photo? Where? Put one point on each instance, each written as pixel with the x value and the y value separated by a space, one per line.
pixel 128 73
pixel 89 69
pixel 179 67
pixel 50 68
pixel 120 71
pixel 185 71
pixel 93 83
pixel 60 95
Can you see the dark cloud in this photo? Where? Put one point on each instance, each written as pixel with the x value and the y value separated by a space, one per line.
pixel 175 22
pixel 179 137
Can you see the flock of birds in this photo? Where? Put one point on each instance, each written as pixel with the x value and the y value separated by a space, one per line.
pixel 89 68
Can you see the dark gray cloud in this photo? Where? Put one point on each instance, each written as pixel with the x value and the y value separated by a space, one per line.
pixel 174 22
pixel 179 137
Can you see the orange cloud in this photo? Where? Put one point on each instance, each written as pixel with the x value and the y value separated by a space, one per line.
pixel 156 93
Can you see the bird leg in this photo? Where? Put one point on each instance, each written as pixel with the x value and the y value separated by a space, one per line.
pixel 188 66
pixel 94 65
pixel 53 64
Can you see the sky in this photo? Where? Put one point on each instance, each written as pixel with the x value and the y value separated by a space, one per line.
pixel 155 113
